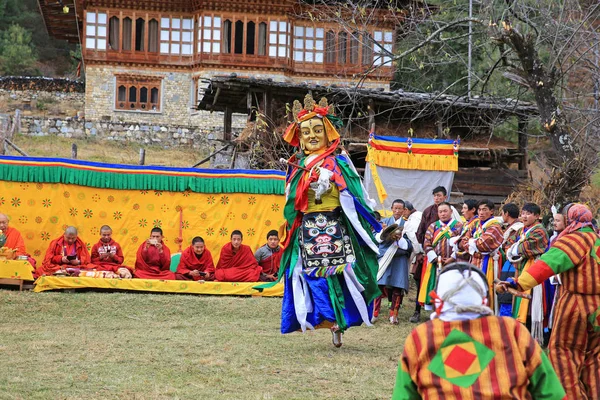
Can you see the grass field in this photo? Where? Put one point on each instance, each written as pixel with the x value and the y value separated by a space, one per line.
pixel 151 346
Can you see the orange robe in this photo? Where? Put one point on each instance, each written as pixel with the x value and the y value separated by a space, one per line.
pixel 150 264
pixel 56 250
pixel 189 262
pixel 111 264
pixel 14 240
pixel 237 267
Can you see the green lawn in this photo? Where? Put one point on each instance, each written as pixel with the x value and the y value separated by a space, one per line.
pixel 151 346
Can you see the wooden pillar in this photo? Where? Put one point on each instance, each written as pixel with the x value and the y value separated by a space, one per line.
pixel 268 108
pixel 522 134
pixel 371 108
pixel 249 104
pixel 227 123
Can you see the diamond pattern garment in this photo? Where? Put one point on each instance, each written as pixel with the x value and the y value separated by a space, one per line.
pixel 484 358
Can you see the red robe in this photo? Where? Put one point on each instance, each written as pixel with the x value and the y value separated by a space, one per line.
pixel 14 240
pixel 111 264
pixel 189 262
pixel 270 265
pixel 150 264
pixel 56 250
pixel 238 267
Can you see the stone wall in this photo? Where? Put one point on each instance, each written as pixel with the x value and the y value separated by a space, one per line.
pixel 146 133
pixel 177 101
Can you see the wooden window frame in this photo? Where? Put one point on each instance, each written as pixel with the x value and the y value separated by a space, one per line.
pixel 278 44
pixel 303 53
pixel 96 38
pixel 207 27
pixel 138 82
pixel 172 31
pixel 385 39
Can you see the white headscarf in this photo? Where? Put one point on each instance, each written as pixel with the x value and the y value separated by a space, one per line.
pixel 461 294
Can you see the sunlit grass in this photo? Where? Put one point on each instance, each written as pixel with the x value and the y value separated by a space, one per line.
pixel 151 346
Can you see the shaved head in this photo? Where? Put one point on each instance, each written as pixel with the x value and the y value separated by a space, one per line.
pixel 71 230
pixel 3 221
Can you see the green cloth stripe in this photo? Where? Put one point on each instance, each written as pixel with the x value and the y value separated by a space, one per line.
pixel 558 260
pixel 112 180
pixel 544 383
pixel 405 388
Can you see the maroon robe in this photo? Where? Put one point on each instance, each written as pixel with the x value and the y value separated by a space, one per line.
pixel 270 265
pixel 150 264
pixel 237 267
pixel 56 250
pixel 190 261
pixel 111 264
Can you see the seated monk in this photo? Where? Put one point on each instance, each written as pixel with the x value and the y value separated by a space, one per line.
pixel 196 263
pixel 153 260
pixel 68 251
pixel 14 240
pixel 269 255
pixel 237 263
pixel 107 254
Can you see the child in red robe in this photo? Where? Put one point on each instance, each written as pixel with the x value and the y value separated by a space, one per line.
pixel 68 251
pixel 107 254
pixel 236 262
pixel 196 262
pixel 268 256
pixel 153 260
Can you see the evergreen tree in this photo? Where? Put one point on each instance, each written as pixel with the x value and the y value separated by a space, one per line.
pixel 17 55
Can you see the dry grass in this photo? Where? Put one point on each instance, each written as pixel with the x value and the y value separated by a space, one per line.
pixel 92 149
pixel 151 346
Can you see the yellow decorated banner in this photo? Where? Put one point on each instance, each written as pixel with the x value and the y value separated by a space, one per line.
pixel 41 212
pixel 154 285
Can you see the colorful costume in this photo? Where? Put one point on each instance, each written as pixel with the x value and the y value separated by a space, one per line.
pixel 58 249
pixel 240 266
pixel 469 227
pixel 330 258
pixel 436 244
pixel 484 358
pixel 152 264
pixel 484 247
pixel 511 235
pixel 574 346
pixel 532 243
pixel 190 261
pixel 466 353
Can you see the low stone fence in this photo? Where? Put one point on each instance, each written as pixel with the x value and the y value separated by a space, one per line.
pixel 165 135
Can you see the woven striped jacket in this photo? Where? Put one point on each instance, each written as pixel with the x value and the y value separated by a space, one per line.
pixel 483 358
pixel 575 257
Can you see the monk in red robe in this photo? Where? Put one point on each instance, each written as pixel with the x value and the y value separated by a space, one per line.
pixel 237 263
pixel 268 256
pixel 196 263
pixel 153 259
pixel 68 251
pixel 14 240
pixel 107 254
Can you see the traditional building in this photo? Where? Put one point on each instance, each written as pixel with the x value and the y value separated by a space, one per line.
pixel 143 60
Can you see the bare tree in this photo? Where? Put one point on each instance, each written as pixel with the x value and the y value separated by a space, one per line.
pixel 545 51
